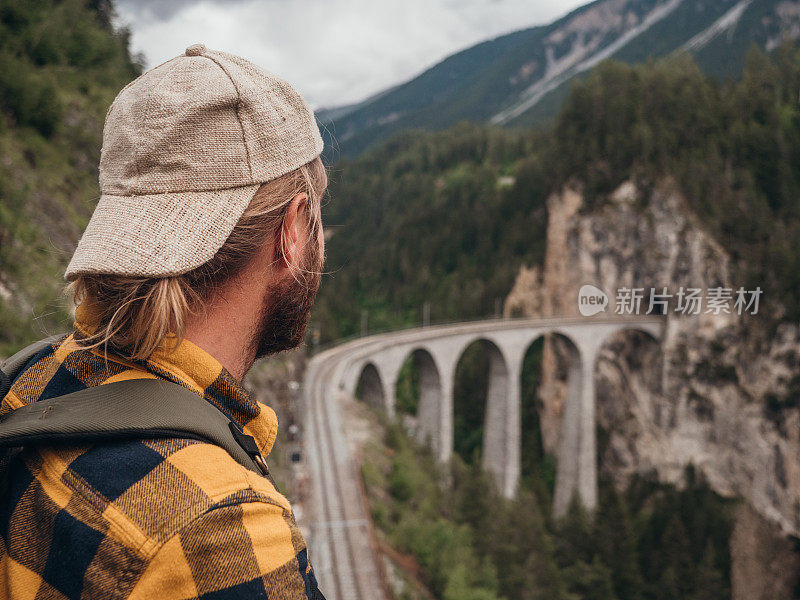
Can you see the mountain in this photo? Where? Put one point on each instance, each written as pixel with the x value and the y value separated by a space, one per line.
pixel 523 77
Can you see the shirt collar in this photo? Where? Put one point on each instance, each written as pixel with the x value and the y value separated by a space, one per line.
pixel 194 368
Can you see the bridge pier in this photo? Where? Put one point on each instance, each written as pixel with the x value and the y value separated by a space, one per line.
pixel 577 454
pixel 445 448
pixel 495 436
pixel 587 460
pixel 389 397
pixel 502 430
pixel 513 438
pixel 430 400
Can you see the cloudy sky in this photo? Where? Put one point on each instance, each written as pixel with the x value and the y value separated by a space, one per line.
pixel 334 51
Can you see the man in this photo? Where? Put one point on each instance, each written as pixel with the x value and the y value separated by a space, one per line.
pixel 203 254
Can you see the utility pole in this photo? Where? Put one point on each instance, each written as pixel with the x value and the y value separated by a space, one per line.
pixel 364 322
pixel 426 314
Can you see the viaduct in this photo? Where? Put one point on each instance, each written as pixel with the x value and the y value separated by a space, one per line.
pixel 340 539
pixel 376 366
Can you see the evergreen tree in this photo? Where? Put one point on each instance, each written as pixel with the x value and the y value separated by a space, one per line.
pixel 590 581
pixel 710 583
pixel 575 541
pixel 673 563
pixel 617 543
pixel 523 552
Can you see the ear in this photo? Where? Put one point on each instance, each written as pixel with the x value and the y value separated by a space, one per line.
pixel 294 233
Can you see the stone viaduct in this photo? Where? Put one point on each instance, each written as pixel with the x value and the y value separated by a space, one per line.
pixel 375 363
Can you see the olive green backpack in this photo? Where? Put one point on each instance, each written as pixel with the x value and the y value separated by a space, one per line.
pixel 132 409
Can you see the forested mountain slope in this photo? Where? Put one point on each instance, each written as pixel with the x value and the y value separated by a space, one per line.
pixel 61 64
pixel 436 218
pixel 523 77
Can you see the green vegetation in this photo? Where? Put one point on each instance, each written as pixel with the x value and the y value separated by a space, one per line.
pixel 732 148
pixel 424 219
pixel 407 389
pixel 537 469
pixel 61 64
pixel 653 542
pixel 470 390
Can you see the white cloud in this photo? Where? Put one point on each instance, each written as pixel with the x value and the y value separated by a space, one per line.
pixel 334 51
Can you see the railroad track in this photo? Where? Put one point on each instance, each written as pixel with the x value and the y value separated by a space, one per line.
pixel 339 543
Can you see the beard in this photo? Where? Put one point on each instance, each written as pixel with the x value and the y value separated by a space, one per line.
pixel 287 307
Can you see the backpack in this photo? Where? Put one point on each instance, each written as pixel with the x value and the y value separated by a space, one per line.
pixel 132 409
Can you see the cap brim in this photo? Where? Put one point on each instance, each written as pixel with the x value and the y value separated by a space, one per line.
pixel 158 235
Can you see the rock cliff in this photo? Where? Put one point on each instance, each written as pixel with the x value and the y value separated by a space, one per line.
pixel 717 393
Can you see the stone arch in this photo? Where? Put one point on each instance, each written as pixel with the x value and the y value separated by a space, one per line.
pixel 637 328
pixel 369 388
pixel 628 373
pixel 561 363
pixel 536 460
pixel 631 341
pixel 565 389
pixel 426 421
pixel 494 436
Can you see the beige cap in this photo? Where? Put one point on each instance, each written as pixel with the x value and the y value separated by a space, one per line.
pixel 185 147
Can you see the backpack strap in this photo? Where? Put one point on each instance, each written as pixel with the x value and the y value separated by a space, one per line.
pixel 130 409
pixel 11 367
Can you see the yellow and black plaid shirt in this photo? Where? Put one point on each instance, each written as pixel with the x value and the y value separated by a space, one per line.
pixel 168 519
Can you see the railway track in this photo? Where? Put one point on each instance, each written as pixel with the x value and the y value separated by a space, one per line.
pixel 339 543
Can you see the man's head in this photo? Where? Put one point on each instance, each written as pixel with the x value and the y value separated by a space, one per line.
pixel 211 183
pixel 274 252
pixel 294 276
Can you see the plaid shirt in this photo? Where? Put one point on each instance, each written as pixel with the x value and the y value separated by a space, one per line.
pixel 167 519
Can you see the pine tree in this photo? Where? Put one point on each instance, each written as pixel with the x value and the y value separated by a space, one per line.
pixel 709 581
pixel 617 543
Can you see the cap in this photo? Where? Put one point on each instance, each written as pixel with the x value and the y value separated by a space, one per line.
pixel 185 147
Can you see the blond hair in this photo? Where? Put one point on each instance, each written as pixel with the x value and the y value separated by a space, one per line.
pixel 134 315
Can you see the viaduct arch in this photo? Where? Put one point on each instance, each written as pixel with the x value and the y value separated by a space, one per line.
pixel 374 363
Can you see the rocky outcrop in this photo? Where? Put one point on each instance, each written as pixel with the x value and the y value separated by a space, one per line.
pixel 712 394
pixel 764 564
